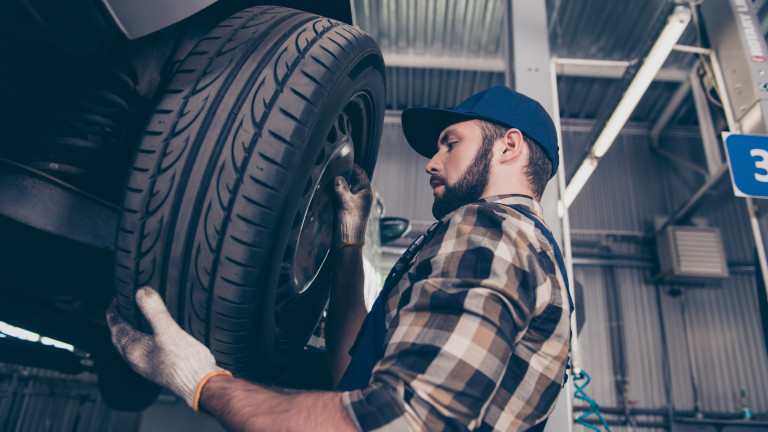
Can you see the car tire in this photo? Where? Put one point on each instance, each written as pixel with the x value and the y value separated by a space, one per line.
pixel 226 209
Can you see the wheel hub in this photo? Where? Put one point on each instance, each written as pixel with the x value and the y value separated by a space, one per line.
pixel 312 237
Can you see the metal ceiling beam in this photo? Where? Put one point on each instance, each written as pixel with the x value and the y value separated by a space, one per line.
pixel 588 68
pixel 610 69
pixel 706 125
pixel 672 106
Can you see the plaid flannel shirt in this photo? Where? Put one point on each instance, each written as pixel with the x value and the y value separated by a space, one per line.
pixel 477 330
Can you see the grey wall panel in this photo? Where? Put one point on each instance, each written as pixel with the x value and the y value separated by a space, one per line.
pixel 681 383
pixel 641 333
pixel 631 187
pixel 625 191
pixel 39 400
pixel 730 215
pixel 401 179
pixel 680 180
pixel 593 339
pixel 724 327
pixel 642 337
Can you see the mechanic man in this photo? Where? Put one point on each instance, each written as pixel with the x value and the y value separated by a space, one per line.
pixel 471 330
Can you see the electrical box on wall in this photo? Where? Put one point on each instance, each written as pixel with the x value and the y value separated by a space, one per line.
pixel 689 254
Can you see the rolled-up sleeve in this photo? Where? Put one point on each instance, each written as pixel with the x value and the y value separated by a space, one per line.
pixel 461 309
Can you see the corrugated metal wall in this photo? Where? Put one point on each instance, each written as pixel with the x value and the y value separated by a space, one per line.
pixel 626 190
pixel 401 179
pixel 631 188
pixel 726 346
pixel 37 400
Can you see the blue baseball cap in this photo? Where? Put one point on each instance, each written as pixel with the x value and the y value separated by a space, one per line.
pixel 501 105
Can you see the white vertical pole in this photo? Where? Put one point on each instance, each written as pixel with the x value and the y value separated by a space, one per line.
pixel 530 71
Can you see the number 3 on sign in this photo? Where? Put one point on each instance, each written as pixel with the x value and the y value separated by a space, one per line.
pixel 761 164
pixel 748 160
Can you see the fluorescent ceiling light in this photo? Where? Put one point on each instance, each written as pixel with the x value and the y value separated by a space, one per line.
pixel 676 24
pixel 579 180
pixel 19 333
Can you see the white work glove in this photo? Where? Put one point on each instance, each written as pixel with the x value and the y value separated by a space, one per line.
pixel 352 205
pixel 170 357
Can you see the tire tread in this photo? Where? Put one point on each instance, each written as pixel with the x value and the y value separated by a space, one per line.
pixel 225 171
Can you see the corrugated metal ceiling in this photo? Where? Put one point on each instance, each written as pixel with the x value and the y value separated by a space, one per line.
pixel 450 27
pixel 441 51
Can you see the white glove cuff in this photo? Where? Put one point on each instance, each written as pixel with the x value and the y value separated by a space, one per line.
pixel 187 382
pixel 199 391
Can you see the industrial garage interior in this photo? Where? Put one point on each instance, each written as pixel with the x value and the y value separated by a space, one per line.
pixel 665 259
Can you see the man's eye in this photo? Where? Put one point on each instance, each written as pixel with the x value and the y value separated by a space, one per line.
pixel 451 145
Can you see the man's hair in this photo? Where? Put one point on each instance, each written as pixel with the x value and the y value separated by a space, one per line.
pixel 539 166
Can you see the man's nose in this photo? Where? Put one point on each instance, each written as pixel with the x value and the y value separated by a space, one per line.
pixel 433 166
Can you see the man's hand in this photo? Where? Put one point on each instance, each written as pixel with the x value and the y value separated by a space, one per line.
pixel 170 357
pixel 353 205
pixel 346 308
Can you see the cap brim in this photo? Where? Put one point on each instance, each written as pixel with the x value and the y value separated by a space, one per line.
pixel 422 127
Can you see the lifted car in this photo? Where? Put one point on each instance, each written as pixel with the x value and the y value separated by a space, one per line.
pixel 183 145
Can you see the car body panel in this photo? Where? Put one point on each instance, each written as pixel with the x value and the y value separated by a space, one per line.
pixel 137 18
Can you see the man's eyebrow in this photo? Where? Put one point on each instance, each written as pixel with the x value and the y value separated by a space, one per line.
pixel 450 133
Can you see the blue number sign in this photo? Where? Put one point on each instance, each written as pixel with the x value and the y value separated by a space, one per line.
pixel 748 159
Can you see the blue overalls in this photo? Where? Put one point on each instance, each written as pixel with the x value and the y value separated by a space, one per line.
pixel 368 347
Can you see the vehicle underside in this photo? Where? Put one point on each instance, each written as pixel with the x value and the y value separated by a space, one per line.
pixel 193 159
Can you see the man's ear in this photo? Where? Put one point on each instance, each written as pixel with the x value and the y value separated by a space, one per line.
pixel 513 146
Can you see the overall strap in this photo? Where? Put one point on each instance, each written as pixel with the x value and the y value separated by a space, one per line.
pixel 548 234
pixel 405 261
pixel 560 263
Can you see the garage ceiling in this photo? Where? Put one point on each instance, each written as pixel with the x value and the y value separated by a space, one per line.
pixel 438 52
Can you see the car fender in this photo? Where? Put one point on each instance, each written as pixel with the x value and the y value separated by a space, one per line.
pixel 137 18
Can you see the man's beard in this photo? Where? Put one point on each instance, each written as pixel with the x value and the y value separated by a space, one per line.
pixel 468 189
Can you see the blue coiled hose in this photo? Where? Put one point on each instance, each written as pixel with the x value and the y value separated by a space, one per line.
pixel 594 408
